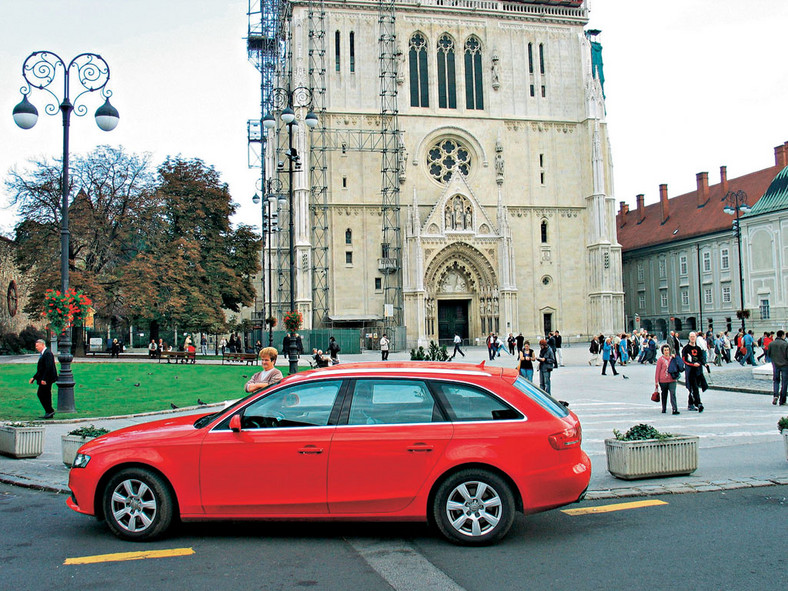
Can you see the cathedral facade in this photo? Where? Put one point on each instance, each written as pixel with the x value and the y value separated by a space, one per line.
pixel 499 215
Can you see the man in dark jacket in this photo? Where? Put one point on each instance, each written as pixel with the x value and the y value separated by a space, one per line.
pixel 46 375
pixel 778 352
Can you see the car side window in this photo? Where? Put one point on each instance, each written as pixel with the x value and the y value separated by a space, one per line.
pixel 305 405
pixel 391 402
pixel 466 403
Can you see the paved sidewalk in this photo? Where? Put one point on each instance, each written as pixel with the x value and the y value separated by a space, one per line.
pixel 739 442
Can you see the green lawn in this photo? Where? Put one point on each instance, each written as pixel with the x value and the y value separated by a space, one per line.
pixel 108 389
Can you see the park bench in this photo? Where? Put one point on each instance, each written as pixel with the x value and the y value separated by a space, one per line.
pixel 182 356
pixel 250 358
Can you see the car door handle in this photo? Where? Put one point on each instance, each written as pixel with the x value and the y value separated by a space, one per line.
pixel 416 447
pixel 310 449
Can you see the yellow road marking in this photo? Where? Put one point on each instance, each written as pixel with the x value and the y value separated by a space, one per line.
pixel 122 556
pixel 614 507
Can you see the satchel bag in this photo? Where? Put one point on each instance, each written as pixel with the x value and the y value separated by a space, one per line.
pixel 655 396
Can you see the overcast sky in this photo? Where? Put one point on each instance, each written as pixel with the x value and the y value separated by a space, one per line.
pixel 691 85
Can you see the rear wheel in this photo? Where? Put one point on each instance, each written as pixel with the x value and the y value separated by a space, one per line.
pixel 473 507
pixel 137 505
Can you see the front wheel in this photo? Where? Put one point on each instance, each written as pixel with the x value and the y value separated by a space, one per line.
pixel 137 505
pixel 473 507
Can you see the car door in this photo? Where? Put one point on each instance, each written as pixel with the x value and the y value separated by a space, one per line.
pixel 390 437
pixel 276 464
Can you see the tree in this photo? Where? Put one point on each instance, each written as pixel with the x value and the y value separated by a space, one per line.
pixel 110 219
pixel 201 264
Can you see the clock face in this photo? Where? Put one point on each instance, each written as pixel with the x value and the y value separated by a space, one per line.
pixel 12 299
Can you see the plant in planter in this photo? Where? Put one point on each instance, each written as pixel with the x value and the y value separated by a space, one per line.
pixel 73 440
pixel 434 353
pixel 782 426
pixel 645 452
pixel 22 439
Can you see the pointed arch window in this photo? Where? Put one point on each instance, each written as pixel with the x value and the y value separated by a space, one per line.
pixel 474 92
pixel 447 87
pixel 417 58
pixel 352 50
pixel 337 42
pixel 544 231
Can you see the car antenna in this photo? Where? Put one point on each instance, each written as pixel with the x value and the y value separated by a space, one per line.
pixel 481 365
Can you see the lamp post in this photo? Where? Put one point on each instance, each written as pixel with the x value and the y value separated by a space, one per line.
pixel 301 98
pixel 735 203
pixel 268 203
pixel 40 69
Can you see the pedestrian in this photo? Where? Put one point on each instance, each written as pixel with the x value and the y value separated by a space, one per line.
pixel 692 356
pixel 593 348
pixel 204 344
pixel 114 350
pixel 223 345
pixel 778 352
pixel 748 341
pixel 457 343
pixel 665 382
pixel 269 375
pixel 510 343
pixel 152 348
pixel 45 376
pixel 726 347
pixel 161 347
pixel 333 350
pixel 608 356
pixel 526 363
pixel 559 355
pixel 766 340
pixel 623 350
pixel 490 350
pixel 384 347
pixel 546 359
pixel 520 340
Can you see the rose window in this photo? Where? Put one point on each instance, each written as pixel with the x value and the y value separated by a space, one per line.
pixel 447 156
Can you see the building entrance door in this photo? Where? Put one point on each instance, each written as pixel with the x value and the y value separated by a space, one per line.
pixel 452 319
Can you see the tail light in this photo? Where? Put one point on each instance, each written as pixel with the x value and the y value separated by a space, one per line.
pixel 567 439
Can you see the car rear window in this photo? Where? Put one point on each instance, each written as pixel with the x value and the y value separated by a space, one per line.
pixel 541 397
pixel 466 403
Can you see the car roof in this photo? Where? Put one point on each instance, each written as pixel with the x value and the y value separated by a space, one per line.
pixel 416 369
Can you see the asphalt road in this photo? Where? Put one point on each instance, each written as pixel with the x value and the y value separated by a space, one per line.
pixel 734 539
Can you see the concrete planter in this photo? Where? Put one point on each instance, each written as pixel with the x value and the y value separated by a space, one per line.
pixel 21 442
pixel 651 458
pixel 785 439
pixel 71 444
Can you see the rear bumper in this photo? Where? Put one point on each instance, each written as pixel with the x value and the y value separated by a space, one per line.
pixel 559 486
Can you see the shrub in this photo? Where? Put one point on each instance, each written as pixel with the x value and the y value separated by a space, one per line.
pixel 782 424
pixel 89 432
pixel 29 336
pixel 434 353
pixel 10 343
pixel 641 432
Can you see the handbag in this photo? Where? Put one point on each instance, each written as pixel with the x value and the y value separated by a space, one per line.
pixel 655 396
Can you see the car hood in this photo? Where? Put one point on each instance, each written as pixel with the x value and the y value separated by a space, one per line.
pixel 159 431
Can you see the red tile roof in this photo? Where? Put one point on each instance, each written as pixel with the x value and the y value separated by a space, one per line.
pixel 685 218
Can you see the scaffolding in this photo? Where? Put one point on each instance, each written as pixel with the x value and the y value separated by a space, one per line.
pixel 270 50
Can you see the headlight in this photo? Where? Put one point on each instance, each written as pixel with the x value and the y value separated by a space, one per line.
pixel 81 461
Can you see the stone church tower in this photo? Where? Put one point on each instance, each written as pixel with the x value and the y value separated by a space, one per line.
pixel 460 178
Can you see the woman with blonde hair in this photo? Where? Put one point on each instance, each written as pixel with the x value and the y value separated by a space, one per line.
pixel 269 374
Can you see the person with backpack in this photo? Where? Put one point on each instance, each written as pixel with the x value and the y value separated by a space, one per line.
pixel 665 381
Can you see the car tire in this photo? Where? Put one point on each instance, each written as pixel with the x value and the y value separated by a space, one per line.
pixel 473 507
pixel 138 505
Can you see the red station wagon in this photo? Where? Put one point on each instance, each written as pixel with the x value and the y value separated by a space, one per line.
pixel 462 446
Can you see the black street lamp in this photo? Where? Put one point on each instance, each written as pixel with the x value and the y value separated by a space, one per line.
pixel 735 203
pixel 268 205
pixel 300 97
pixel 39 71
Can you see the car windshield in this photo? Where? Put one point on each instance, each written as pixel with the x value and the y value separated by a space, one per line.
pixel 205 420
pixel 541 397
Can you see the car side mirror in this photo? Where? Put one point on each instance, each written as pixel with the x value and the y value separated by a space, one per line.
pixel 235 423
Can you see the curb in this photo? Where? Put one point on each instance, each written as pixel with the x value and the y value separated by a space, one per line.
pixel 131 416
